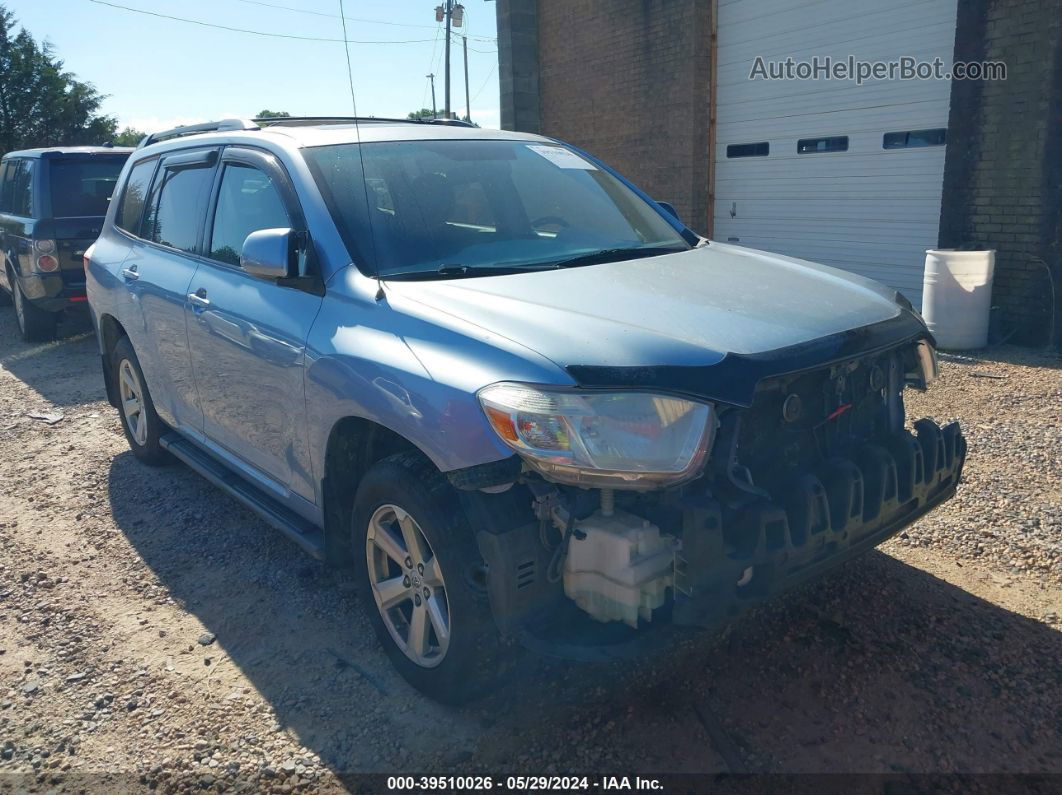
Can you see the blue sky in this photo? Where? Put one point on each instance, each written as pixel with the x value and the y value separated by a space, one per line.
pixel 158 73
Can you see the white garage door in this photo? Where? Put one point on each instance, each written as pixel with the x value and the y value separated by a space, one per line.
pixel 853 198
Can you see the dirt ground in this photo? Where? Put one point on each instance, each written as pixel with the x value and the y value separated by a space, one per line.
pixel 153 633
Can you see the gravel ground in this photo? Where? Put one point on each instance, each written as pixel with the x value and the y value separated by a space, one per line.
pixel 155 634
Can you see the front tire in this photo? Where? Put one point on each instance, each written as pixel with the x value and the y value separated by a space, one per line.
pixel 416 565
pixel 141 424
pixel 34 324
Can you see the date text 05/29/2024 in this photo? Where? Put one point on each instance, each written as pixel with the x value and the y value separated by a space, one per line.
pixel 523 783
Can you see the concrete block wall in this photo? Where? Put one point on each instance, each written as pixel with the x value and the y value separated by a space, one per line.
pixel 1003 169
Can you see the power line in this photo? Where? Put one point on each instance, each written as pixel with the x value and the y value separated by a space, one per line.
pixel 489 75
pixel 353 19
pixel 245 30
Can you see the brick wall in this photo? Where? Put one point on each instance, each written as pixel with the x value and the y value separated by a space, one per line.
pixel 1003 169
pixel 627 80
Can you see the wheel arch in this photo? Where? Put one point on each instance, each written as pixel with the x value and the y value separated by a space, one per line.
pixel 110 330
pixel 354 444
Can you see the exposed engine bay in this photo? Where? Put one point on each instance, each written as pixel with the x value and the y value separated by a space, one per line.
pixel 819 468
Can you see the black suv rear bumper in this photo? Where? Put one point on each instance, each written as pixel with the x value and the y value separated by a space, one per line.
pixel 845 507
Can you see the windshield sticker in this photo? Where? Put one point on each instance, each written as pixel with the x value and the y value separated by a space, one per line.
pixel 564 158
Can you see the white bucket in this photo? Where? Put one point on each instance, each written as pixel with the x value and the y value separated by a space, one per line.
pixel 957 297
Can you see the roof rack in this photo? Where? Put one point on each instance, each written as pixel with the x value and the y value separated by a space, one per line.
pixel 225 125
pixel 296 121
pixel 192 129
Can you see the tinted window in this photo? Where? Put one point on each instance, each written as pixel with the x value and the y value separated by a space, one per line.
pixel 481 203
pixel 6 186
pixel 837 143
pixel 176 207
pixel 22 188
pixel 83 187
pixel 761 149
pixel 247 201
pixel 136 188
pixel 911 139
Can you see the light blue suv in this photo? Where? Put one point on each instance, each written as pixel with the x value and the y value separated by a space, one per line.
pixel 518 395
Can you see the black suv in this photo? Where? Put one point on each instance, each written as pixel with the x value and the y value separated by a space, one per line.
pixel 52 203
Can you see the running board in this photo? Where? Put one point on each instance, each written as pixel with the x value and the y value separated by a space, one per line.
pixel 306 534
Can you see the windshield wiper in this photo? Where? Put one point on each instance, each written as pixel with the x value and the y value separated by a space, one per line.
pixel 614 255
pixel 462 272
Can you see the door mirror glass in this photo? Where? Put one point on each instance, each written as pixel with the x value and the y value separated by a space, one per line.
pixel 671 209
pixel 269 253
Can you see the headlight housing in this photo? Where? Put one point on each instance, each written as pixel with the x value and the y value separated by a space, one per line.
pixel 625 440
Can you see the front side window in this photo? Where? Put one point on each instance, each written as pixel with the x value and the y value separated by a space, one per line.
pixel 134 195
pixel 81 187
pixel 176 207
pixel 479 204
pixel 247 202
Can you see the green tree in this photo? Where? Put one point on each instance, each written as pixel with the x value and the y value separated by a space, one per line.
pixel 130 136
pixel 273 114
pixel 423 113
pixel 40 104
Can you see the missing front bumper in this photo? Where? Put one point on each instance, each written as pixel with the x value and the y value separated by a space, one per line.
pixel 843 508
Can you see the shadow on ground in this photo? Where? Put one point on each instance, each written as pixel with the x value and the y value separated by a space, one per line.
pixel 55 370
pixel 880 667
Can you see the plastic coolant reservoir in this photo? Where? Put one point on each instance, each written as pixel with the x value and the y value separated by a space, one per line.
pixel 621 567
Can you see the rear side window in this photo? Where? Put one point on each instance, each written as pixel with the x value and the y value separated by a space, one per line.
pixel 176 207
pixel 134 196
pixel 22 188
pixel 247 201
pixel 82 187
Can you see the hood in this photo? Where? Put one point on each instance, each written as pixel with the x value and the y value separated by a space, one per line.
pixel 687 309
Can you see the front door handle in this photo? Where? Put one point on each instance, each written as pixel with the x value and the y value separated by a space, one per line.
pixel 199 298
pixel 130 273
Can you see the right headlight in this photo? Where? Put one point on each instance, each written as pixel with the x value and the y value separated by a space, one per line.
pixel 627 440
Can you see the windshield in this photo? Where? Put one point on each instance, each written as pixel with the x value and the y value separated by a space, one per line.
pixel 82 187
pixel 463 206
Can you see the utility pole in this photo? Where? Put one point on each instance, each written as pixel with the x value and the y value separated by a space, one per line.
pixel 453 13
pixel 468 104
pixel 449 14
pixel 434 112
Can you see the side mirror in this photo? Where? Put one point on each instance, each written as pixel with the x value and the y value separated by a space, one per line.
pixel 269 254
pixel 671 209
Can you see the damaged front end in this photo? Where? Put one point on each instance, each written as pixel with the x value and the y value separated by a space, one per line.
pixel 742 500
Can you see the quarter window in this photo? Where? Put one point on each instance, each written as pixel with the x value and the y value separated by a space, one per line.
pixel 8 183
pixel 761 149
pixel 176 207
pixel 22 189
pixel 913 139
pixel 836 143
pixel 247 202
pixel 134 195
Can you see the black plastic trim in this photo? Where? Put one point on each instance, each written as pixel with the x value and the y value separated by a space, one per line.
pixel 733 379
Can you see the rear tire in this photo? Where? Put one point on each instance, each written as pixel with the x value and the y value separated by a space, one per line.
pixel 416 562
pixel 141 424
pixel 34 324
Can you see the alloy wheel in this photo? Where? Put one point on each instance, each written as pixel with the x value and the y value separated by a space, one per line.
pixel 131 393
pixel 407 585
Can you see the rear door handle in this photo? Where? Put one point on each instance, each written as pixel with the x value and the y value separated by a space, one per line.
pixel 199 298
pixel 130 273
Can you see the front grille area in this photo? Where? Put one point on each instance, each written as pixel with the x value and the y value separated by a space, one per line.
pixel 796 422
